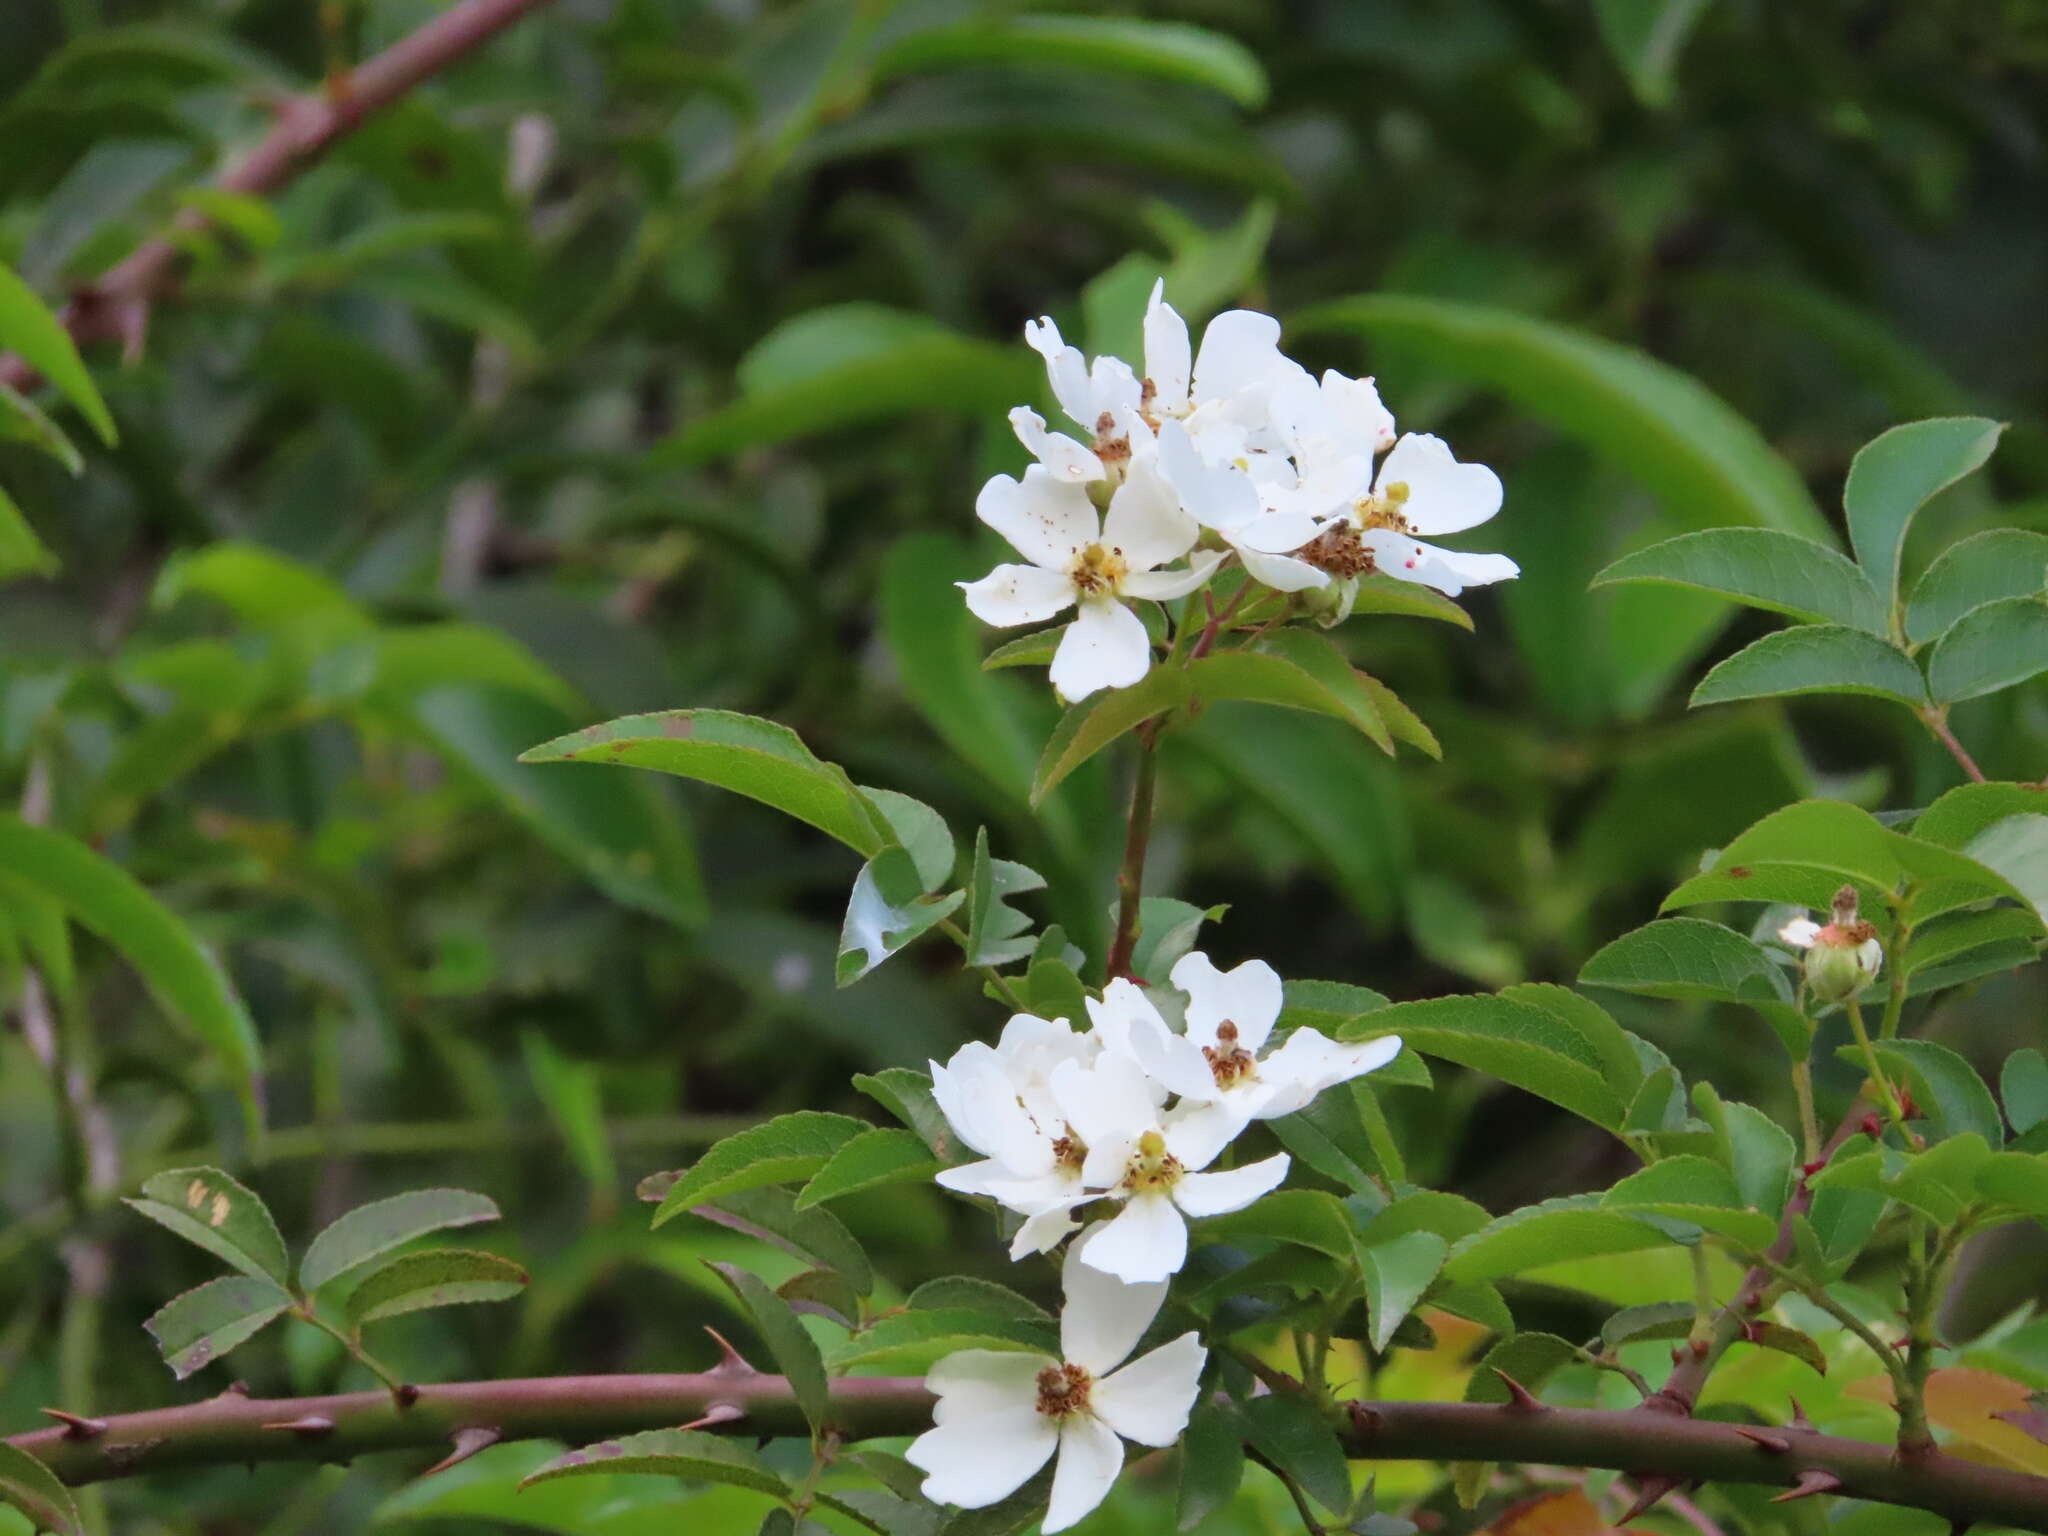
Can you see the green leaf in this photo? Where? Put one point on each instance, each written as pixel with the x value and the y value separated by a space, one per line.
pixel 796 1353
pixel 1995 646
pixel 2004 930
pixel 1985 567
pixel 31 331
pixel 572 1093
pixel 1623 1056
pixel 1211 1464
pixel 2023 1085
pixel 1696 1190
pixel 197 1328
pixel 872 1159
pixel 2016 1179
pixel 1531 1359
pixel 1159 49
pixel 1095 722
pixel 1760 1154
pixel 23 421
pixel 262 588
pixel 785 1150
pixel 907 1094
pixel 1646 37
pixel 749 756
pixel 437 1277
pixel 1543 1234
pixel 29 1486
pixel 1515 1042
pixel 964 1293
pixel 1896 474
pixel 1307 1218
pixel 185 980
pixel 1402 722
pixel 1946 1089
pixel 816 1236
pixel 687 1453
pixel 1396 1273
pixel 997 933
pixel 921 832
pixel 370 1231
pixel 1655 1320
pixel 1283 676
pixel 21 552
pixel 1814 658
pixel 1677 957
pixel 2017 848
pixel 907 1343
pixel 1167 930
pixel 226 1218
pixel 888 908
pixel 1294 1436
pixel 1331 1136
pixel 1762 567
pixel 1663 427
pixel 1790 1341
pixel 1962 813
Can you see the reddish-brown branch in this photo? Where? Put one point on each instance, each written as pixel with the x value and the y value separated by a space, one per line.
pixel 237 1428
pixel 1937 722
pixel 116 307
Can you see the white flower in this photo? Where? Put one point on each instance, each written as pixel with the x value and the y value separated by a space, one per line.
pixel 1002 1415
pixel 1225 497
pixel 1149 1161
pixel 1420 489
pixel 1080 558
pixel 1216 1067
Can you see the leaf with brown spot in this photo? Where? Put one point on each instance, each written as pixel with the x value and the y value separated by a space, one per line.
pixel 226 1218
pixel 197 1328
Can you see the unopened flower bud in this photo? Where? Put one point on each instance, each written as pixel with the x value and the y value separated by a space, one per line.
pixel 1842 956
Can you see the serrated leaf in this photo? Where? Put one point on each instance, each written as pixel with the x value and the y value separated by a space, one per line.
pixel 887 909
pixel 1814 658
pixel 747 755
pixel 2017 848
pixel 221 1215
pixel 1697 1190
pixel 1655 1320
pixel 370 1231
pixel 1294 1436
pixel 1984 568
pixel 1095 722
pixel 1295 675
pixel 907 1343
pixel 29 1486
pixel 920 831
pixel 784 1150
pixel 777 1216
pixel 1543 1234
pixel 2023 1085
pixel 795 1352
pixel 198 1327
pixel 874 1158
pixel 1519 1044
pixel 1763 568
pixel 438 1277
pixel 1761 1153
pixel 28 329
pixel 1211 1464
pixel 907 1094
pixel 1895 474
pixel 2017 1179
pixel 1306 1217
pixel 1998 645
pixel 1678 957
pixel 965 1293
pixel 821 1293
pixel 1396 1273
pixel 687 1453
pixel 1946 1089
pixel 1167 930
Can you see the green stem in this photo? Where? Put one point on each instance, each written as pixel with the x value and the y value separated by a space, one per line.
pixel 999 983
pixel 1884 1088
pixel 391 1379
pixel 1819 1296
pixel 1130 880
pixel 1809 1124
pixel 1895 999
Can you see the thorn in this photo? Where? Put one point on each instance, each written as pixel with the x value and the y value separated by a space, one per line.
pixel 1813 1480
pixel 1520 1398
pixel 730 1361
pixel 235 1389
pixel 1799 1418
pixel 1764 1440
pixel 1365 1422
pixel 470 1439
pixel 1649 1491
pixel 309 1427
pixel 76 1425
pixel 717 1413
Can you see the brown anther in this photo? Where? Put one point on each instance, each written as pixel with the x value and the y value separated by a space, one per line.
pixel 1812 1481
pixel 1764 1440
pixel 1068 1152
pixel 716 1413
pixel 1520 1398
pixel 468 1440
pixel 730 1361
pixel 1339 550
pixel 1063 1391
pixel 76 1425
pixel 311 1427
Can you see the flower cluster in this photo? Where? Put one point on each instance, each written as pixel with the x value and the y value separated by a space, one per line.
pixel 1130 1114
pixel 1236 453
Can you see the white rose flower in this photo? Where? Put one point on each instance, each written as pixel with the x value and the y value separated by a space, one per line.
pixel 1420 489
pixel 1080 558
pixel 1002 1415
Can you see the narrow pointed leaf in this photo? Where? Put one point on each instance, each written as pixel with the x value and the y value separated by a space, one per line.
pixel 685 1453
pixel 785 1150
pixel 1095 722
pixel 29 329
pixel 1684 957
pixel 1396 1273
pixel 29 1486
pixel 880 1156
pixel 796 1353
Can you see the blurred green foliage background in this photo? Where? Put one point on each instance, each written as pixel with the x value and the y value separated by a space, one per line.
pixel 652 358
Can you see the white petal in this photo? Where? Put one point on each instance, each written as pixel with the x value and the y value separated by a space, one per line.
pixel 1240 349
pixel 1103 1318
pixel 1443 495
pixel 1800 932
pixel 1090 1458
pixel 1355 406
pixel 1249 997
pixel 1113 389
pixel 1107 1101
pixel 1106 647
pixel 1161 585
pixel 973 1178
pixel 1216 495
pixel 1058 1189
pixel 1212 1194
pixel 1166 351
pixel 977 1381
pixel 1042 1231
pixel 1018 594
pixel 1196 1132
pixel 1145 523
pixel 1048 520
pixel 1122 1007
pixel 974 1462
pixel 1276 533
pixel 1104 1166
pixel 1870 956
pixel 1449 571
pixel 1065 458
pixel 1311 1061
pixel 991 1119
pixel 1177 1062
pixel 1147 1240
pixel 1280 573
pixel 1065 366
pixel 1149 1400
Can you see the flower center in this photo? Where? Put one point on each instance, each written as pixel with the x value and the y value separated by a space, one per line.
pixel 1846 935
pixel 1063 1391
pixel 1339 550
pixel 1068 1151
pixel 1152 1167
pixel 1384 509
pixel 1111 446
pixel 1229 1061
pixel 1099 570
